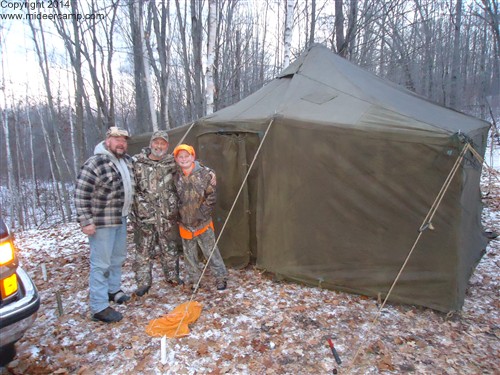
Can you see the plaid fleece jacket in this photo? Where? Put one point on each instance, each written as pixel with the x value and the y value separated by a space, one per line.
pixel 99 191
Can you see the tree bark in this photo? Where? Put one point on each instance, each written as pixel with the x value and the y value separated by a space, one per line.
pixel 160 19
pixel 339 28
pixel 11 180
pixel 186 63
pixel 288 32
pixel 34 179
pixel 79 139
pixel 492 12
pixel 144 116
pixel 210 88
pixel 312 28
pixel 54 170
pixel 197 39
pixel 455 63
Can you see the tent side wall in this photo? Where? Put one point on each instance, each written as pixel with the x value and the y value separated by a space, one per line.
pixel 341 208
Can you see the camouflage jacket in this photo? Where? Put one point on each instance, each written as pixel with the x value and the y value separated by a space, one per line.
pixel 155 199
pixel 197 197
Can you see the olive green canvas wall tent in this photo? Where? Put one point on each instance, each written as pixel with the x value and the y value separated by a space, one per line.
pixel 345 176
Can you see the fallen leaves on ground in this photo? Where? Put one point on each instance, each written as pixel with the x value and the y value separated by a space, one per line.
pixel 256 326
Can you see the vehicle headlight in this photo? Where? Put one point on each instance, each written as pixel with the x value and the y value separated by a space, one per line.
pixel 8 285
pixel 6 253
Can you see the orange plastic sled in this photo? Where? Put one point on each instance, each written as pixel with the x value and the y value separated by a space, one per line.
pixel 168 325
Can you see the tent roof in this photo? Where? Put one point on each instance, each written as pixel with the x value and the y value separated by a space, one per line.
pixel 324 88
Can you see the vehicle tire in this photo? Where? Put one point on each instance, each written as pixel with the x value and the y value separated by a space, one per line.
pixel 7 354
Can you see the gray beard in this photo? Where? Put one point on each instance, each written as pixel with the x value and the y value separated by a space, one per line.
pixel 158 154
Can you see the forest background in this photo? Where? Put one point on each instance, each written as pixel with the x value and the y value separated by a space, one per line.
pixel 70 69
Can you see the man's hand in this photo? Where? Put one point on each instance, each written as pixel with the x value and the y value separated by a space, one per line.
pixel 213 181
pixel 89 230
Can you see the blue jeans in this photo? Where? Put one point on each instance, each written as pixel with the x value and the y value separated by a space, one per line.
pixel 108 250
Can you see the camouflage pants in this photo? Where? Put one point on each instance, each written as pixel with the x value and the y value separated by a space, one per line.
pixel 206 241
pixel 151 243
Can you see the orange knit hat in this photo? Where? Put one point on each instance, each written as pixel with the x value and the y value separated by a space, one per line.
pixel 184 147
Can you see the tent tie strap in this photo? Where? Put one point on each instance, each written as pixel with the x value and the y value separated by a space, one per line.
pixel 426 226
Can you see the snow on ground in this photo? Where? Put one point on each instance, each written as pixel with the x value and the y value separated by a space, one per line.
pixel 257 326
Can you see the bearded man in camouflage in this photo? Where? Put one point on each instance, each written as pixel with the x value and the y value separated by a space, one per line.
pixel 154 214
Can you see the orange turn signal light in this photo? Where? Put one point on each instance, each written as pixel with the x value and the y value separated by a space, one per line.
pixel 8 286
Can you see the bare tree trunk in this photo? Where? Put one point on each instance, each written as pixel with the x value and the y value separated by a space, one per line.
pixel 142 92
pixel 288 32
pixel 263 50
pixel 74 49
pixel 224 55
pixel 21 167
pixel 148 84
pixel 277 54
pixel 31 140
pixel 80 139
pixel 483 77
pixel 465 57
pixel 109 61
pixel 197 38
pixel 72 128
pixel 455 63
pixel 428 63
pixel 492 10
pixel 160 19
pixel 312 28
pixel 219 52
pixel 237 68
pixel 339 28
pixel 11 180
pixel 383 42
pixel 186 63
pixel 103 92
pixel 352 28
pixel 210 88
pixel 53 166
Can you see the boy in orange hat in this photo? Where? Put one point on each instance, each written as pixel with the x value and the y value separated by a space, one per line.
pixel 197 197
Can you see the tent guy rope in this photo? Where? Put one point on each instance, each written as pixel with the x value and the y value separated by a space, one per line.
pixel 185 134
pixel 426 224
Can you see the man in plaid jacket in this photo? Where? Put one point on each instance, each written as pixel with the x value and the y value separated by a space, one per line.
pixel 103 197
